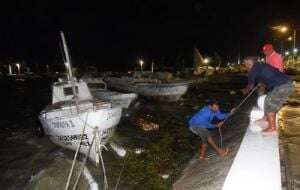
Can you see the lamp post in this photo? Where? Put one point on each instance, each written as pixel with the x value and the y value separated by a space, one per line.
pixel 295 50
pixel 141 62
pixel 294 38
pixel 152 66
pixel 206 61
pixel 281 29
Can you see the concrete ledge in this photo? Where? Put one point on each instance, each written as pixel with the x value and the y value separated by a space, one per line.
pixel 256 165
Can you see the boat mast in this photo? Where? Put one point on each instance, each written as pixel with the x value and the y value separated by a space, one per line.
pixel 68 64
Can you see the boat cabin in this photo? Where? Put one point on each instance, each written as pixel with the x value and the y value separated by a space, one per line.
pixel 62 91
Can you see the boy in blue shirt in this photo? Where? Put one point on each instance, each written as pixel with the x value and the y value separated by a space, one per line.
pixel 209 117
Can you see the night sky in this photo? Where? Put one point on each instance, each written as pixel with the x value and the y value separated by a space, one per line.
pixel 113 34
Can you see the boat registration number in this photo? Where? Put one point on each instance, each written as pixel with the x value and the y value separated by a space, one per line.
pixel 67 139
pixel 62 124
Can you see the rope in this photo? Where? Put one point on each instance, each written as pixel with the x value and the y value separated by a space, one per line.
pixel 237 107
pixel 98 151
pixel 221 137
pixel 75 155
pixel 119 178
pixel 83 164
pixel 104 170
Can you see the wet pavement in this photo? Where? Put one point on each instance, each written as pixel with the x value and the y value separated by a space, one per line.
pixel 289 122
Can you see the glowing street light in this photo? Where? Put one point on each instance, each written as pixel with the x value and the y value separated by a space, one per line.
pixel 141 62
pixel 281 28
pixel 290 38
pixel 287 53
pixel 295 50
pixel 19 68
pixel 206 60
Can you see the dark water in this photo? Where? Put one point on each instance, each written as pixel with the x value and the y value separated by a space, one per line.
pixel 29 162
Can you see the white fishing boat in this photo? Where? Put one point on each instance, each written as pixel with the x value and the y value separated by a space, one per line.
pixel 170 91
pixel 99 90
pixel 74 120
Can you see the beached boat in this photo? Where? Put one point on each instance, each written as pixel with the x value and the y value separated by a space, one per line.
pixel 170 91
pixel 99 90
pixel 75 119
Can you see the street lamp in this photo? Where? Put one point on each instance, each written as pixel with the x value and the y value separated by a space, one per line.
pixel 205 60
pixel 281 28
pixel 294 38
pixel 295 50
pixel 141 62
pixel 287 53
pixel 152 66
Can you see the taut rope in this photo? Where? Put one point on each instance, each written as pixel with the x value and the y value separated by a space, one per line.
pixel 240 104
pixel 76 154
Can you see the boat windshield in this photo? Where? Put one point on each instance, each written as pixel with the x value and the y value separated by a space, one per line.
pixel 68 91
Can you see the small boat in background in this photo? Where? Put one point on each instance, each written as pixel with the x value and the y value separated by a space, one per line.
pixel 148 84
pixel 74 119
pixel 99 91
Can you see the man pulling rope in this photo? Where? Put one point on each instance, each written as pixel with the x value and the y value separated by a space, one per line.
pixel 208 118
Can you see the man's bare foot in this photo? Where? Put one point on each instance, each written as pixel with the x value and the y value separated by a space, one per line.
pixel 263 119
pixel 203 158
pixel 223 152
pixel 269 131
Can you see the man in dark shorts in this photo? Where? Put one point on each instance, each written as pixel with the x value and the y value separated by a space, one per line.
pixel 278 84
pixel 207 118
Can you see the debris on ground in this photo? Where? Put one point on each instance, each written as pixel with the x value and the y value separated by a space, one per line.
pixel 164 176
pixel 139 150
pixel 232 92
pixel 146 125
